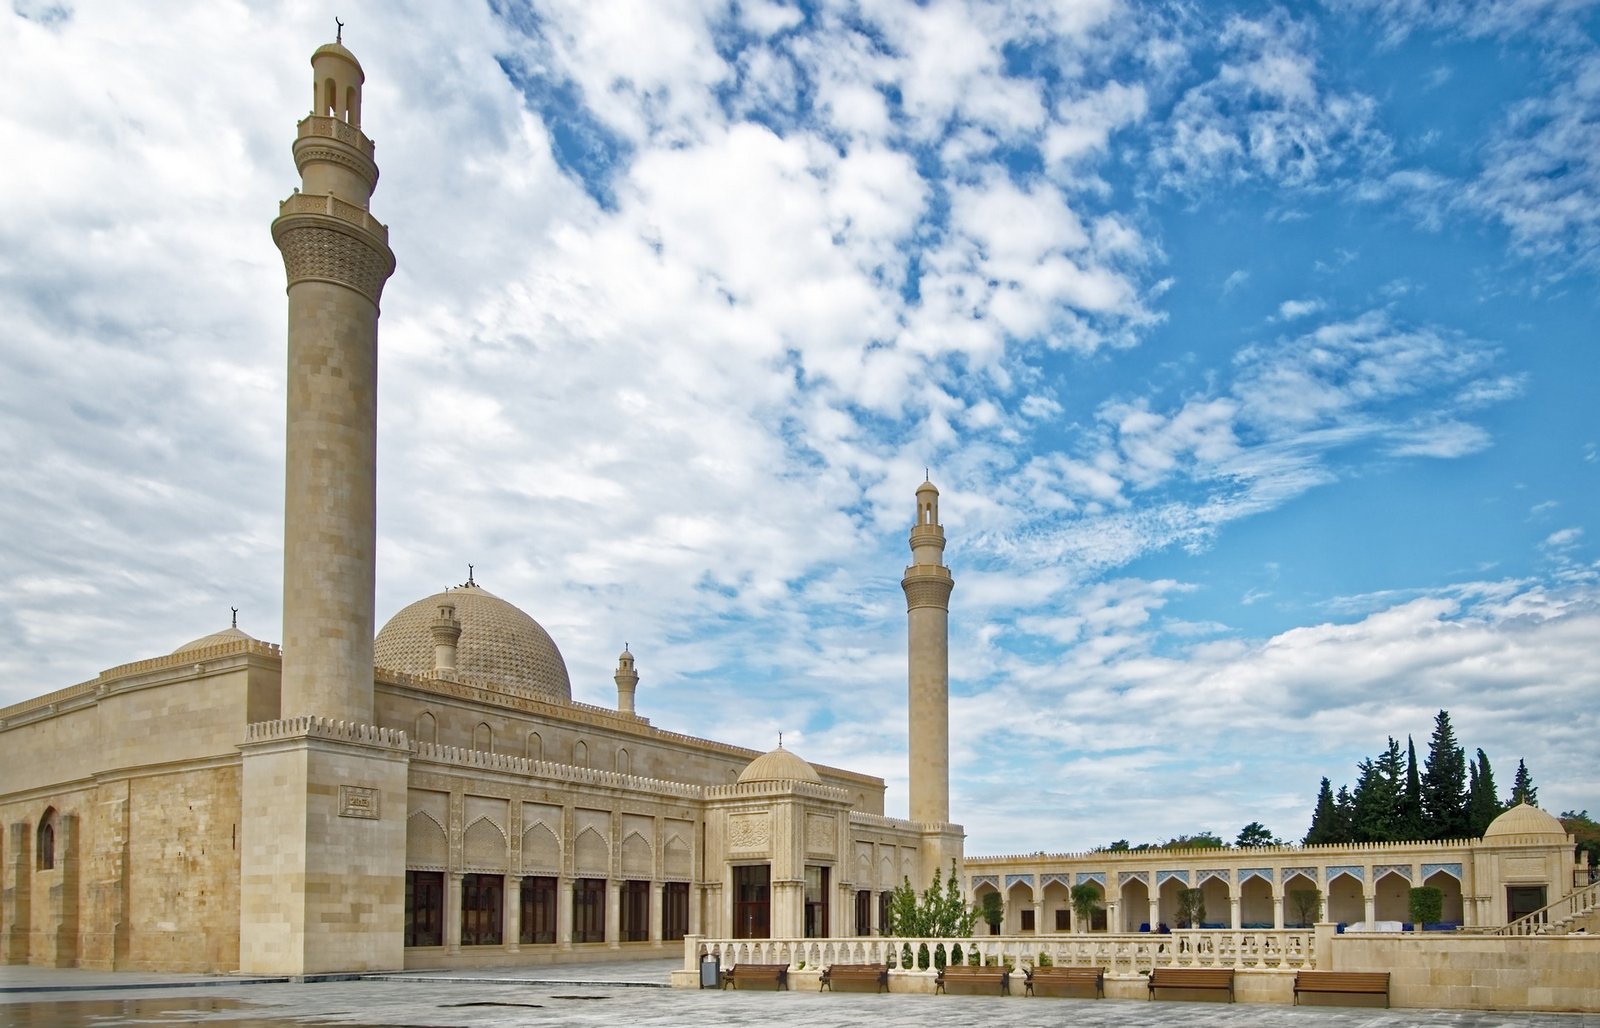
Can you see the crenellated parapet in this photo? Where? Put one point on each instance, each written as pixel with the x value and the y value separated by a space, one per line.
pixel 309 727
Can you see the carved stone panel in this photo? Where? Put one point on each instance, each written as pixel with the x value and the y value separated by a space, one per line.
pixel 749 831
pixel 820 830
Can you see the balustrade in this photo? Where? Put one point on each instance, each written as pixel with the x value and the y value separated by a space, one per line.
pixel 1120 954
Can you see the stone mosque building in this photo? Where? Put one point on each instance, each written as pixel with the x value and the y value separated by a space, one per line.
pixel 429 795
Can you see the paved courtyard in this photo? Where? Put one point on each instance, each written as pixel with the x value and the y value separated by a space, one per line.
pixel 626 994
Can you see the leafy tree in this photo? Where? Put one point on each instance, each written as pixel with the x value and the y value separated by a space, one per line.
pixel 1324 819
pixel 1202 841
pixel 1411 799
pixel 1306 904
pixel 991 911
pixel 1483 803
pixel 1444 783
pixel 1586 835
pixel 1119 846
pixel 1191 908
pixel 1255 835
pixel 940 912
pixel 1522 788
pixel 1085 901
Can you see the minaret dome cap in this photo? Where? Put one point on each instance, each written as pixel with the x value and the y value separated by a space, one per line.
pixel 340 51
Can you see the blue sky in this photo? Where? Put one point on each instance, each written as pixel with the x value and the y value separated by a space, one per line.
pixel 1251 346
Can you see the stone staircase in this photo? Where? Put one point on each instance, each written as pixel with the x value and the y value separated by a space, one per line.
pixel 1578 911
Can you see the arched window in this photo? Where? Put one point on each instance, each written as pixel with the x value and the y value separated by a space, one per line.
pixel 46 844
pixel 427 728
pixel 330 98
pixel 580 754
pixel 535 749
pixel 483 737
pixel 624 765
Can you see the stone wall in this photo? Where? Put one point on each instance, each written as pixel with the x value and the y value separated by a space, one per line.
pixel 1479 972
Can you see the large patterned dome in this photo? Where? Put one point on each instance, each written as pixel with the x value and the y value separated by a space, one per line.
pixel 500 646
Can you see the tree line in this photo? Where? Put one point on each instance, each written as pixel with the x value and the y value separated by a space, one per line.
pixel 1450 796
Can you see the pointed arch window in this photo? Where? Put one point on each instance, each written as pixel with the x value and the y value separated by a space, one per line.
pixel 46 842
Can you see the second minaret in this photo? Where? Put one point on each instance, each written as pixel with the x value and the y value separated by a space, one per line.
pixel 927 585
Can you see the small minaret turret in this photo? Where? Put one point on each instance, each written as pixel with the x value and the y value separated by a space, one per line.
pixel 927 586
pixel 446 632
pixel 337 258
pixel 627 680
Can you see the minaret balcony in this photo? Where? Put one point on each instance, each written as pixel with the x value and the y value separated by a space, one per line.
pixel 324 127
pixel 333 207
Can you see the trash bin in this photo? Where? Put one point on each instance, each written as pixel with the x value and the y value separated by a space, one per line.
pixel 710 971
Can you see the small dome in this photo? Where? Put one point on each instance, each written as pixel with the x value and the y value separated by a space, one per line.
pixel 205 642
pixel 500 648
pixel 779 766
pixel 1524 819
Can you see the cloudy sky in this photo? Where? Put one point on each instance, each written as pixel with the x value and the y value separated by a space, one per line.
pixel 1252 348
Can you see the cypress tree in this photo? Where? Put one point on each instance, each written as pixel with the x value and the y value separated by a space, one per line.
pixel 1483 802
pixel 1411 800
pixel 1522 788
pixel 1376 802
pixel 1344 806
pixel 1444 783
pixel 1324 819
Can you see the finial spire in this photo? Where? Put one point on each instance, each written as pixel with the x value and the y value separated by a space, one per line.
pixel 780 740
pixel 235 616
pixel 338 35
pixel 469 575
pixel 927 473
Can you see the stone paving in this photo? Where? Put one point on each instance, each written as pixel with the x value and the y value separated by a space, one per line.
pixel 628 994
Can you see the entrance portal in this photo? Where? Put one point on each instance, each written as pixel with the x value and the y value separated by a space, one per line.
pixel 752 901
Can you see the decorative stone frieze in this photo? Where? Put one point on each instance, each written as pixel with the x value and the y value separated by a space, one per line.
pixel 316 251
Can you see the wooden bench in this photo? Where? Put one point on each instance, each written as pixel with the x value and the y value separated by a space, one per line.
pixel 876 974
pixel 1192 978
pixel 1373 983
pixel 974 974
pixel 741 974
pixel 1095 976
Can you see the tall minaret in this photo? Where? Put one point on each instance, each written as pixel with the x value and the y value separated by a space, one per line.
pixel 337 258
pixel 927 585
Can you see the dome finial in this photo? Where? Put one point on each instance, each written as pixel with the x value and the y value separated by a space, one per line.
pixel 235 616
pixel 338 34
pixel 470 582
pixel 780 740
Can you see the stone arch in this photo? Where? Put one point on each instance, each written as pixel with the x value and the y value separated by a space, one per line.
pixel 535 747
pixel 425 728
pixel 1346 903
pixel 886 872
pixel 580 754
pixel 864 867
pixel 1255 903
pixel 483 846
pixel 677 859
pixel 638 857
pixel 978 894
pixel 1219 905
pixel 1391 895
pixel 427 847
pixel 483 737
pixel 624 762
pixel 1167 898
pixel 1293 883
pixel 1018 897
pixel 1135 905
pixel 541 850
pixel 1056 897
pixel 45 840
pixel 1450 886
pixel 593 854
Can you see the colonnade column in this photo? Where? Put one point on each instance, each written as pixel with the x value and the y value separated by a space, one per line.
pixel 657 894
pixel 613 913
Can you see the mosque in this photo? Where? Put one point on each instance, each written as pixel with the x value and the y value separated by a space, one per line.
pixel 429 794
